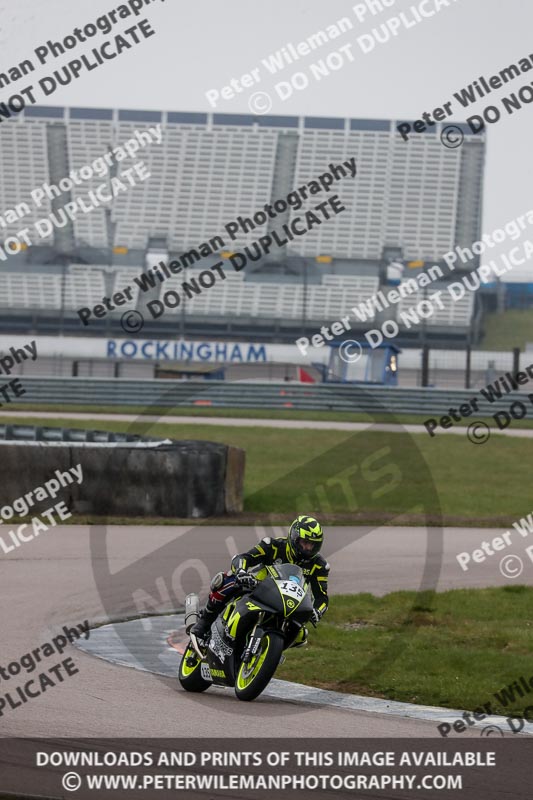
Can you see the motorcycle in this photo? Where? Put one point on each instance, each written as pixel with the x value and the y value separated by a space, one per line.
pixel 246 641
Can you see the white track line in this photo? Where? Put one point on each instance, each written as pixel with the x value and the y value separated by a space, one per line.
pixel 309 695
pixel 252 422
pixel 284 690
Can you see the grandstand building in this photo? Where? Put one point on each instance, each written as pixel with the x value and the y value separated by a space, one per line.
pixel 417 200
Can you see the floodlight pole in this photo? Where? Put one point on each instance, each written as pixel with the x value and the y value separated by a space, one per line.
pixel 304 296
pixel 110 225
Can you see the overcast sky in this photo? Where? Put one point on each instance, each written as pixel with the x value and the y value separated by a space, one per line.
pixel 201 45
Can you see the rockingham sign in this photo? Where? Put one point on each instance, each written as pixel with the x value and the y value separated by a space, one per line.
pixel 195 352
pixel 157 350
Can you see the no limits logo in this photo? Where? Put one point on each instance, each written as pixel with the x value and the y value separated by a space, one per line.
pixel 359 475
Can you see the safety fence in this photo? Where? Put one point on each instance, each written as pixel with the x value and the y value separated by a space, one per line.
pixel 152 394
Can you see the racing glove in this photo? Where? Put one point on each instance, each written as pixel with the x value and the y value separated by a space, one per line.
pixel 244 580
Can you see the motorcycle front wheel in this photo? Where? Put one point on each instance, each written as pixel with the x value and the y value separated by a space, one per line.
pixel 254 676
pixel 190 677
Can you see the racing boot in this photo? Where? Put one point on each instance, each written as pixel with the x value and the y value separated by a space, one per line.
pixel 207 616
pixel 301 637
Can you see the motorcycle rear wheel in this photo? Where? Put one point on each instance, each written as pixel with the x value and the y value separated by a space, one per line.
pixel 253 677
pixel 191 677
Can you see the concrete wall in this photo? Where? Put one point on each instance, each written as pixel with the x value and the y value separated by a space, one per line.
pixel 187 479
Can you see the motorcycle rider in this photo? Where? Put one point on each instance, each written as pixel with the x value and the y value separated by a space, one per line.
pixel 301 547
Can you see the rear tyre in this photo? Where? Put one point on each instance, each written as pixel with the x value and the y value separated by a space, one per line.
pixel 255 676
pixel 190 677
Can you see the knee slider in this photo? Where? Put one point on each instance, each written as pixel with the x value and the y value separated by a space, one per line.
pixel 217 581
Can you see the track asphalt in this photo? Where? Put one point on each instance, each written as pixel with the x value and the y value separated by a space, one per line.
pixel 67 576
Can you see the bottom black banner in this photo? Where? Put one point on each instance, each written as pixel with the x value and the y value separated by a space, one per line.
pixel 252 768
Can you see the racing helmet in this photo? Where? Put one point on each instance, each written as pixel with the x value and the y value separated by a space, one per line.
pixel 305 538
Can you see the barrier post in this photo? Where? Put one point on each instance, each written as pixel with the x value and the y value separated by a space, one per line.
pixel 516 360
pixel 425 365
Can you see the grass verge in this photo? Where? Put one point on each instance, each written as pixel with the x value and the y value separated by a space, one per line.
pixel 487 485
pixel 505 331
pixel 236 413
pixel 459 652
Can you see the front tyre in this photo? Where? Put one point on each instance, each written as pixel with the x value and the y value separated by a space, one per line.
pixel 190 676
pixel 253 677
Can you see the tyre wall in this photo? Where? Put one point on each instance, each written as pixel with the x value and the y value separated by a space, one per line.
pixel 185 479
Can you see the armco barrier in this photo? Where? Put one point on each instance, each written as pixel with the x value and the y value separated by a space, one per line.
pixel 185 479
pixel 223 394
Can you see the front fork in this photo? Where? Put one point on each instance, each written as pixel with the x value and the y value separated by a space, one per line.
pixel 254 641
pixel 256 634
